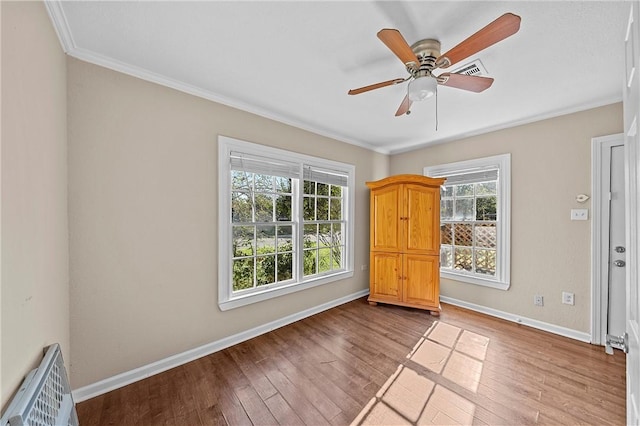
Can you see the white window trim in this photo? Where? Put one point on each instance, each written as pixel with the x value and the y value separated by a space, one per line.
pixel 226 299
pixel 502 280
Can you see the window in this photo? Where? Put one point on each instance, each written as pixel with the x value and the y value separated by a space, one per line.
pixel 474 220
pixel 285 222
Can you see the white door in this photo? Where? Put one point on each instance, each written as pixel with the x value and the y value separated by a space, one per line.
pixel 616 300
pixel 631 100
pixel 608 239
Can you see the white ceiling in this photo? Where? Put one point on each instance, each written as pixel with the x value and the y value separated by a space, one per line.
pixel 295 61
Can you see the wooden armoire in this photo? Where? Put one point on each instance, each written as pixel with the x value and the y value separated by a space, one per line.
pixel 405 241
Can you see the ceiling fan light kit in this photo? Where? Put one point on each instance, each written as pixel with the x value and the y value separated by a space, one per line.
pixel 422 88
pixel 423 57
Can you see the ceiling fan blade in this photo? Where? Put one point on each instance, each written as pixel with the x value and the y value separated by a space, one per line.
pixel 376 86
pixel 398 45
pixel 503 27
pixel 404 106
pixel 472 83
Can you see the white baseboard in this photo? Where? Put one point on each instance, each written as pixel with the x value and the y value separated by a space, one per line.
pixel 540 325
pixel 128 377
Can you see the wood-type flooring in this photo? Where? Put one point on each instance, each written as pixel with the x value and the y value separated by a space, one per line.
pixel 326 368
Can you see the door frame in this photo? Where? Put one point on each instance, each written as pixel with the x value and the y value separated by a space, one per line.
pixel 600 235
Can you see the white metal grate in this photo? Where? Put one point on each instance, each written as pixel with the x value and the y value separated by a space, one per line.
pixel 472 68
pixel 44 399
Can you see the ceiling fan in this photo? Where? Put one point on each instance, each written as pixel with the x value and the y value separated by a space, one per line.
pixel 423 57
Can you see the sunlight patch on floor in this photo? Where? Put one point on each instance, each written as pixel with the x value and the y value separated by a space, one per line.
pixel 420 391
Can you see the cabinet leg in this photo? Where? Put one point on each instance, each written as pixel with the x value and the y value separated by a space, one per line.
pixel 435 313
pixel 373 303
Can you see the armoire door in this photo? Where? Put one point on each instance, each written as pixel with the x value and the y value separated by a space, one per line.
pixel 421 280
pixel 386 274
pixel 386 226
pixel 422 224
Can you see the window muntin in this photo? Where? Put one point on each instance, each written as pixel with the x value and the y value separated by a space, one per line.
pixel 475 220
pixel 285 222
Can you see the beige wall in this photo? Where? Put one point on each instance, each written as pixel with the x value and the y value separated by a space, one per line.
pixel 140 247
pixel 143 220
pixel 550 165
pixel 35 280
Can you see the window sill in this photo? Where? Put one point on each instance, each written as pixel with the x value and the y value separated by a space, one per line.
pixel 270 293
pixel 472 279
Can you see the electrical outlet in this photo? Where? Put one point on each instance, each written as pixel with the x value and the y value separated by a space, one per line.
pixel 538 300
pixel 567 298
pixel 363 267
pixel 579 214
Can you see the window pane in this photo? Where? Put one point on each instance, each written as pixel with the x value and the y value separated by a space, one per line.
pixel 324 259
pixel 323 209
pixel 463 259
pixel 323 189
pixel 337 234
pixel 285 266
pixel 285 235
pixel 264 208
pixel 464 190
pixel 336 253
pixel 463 234
pixel 464 209
pixel 446 256
pixel 486 262
pixel 283 184
pixel 446 192
pixel 266 239
pixel 310 267
pixel 486 208
pixel 310 236
pixel 324 234
pixel 485 235
pixel 242 274
pixel 283 208
pixel 309 207
pixel 446 210
pixel 310 230
pixel 241 208
pixel 241 180
pixel 486 188
pixel 243 241
pixel 336 208
pixel 263 183
pixel 446 233
pixel 309 187
pixel 265 270
pixel 336 191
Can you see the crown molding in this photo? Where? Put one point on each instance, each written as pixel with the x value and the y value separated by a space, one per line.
pixel 60 25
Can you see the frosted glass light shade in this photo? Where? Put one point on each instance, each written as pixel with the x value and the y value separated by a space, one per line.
pixel 422 88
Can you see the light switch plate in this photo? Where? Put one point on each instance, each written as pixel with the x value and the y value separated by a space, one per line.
pixel 579 214
pixel 568 298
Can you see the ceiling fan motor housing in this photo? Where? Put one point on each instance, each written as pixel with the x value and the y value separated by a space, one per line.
pixel 427 51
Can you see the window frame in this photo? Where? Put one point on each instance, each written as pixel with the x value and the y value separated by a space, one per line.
pixel 226 297
pixel 502 162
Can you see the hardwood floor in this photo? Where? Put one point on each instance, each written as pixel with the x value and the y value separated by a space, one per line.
pixel 326 368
